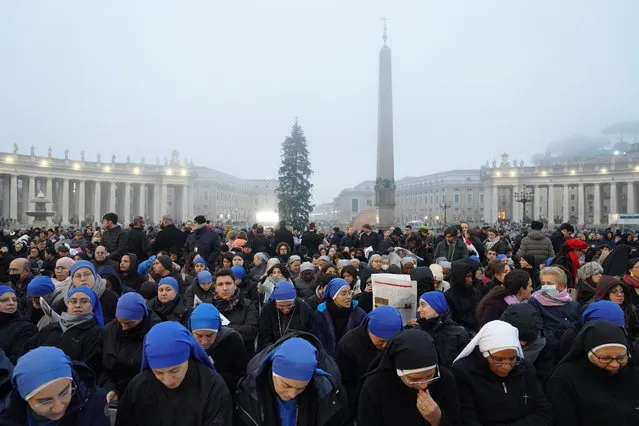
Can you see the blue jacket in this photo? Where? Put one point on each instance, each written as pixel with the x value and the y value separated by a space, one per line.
pixel 325 330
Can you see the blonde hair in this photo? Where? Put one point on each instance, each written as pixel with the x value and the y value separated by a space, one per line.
pixel 555 271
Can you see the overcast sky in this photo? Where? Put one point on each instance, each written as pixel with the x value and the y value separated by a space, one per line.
pixel 223 81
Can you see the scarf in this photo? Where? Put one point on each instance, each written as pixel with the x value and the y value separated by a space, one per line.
pixel 489 244
pixel 339 316
pixel 62 285
pixel 165 309
pixel 227 305
pixel 561 299
pixel 512 300
pixel 68 321
pixel 631 281
pixel 575 265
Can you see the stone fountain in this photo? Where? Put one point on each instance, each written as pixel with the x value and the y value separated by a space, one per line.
pixel 40 215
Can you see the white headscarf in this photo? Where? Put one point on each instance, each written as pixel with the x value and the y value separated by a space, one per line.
pixel 494 336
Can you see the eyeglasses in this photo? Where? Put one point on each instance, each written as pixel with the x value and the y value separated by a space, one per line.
pixel 517 361
pixel 348 293
pixel 607 359
pixel 423 382
pixel 83 276
pixel 65 396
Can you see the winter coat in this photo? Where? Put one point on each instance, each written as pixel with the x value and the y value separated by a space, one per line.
pixel 325 330
pixel 86 407
pixel 557 239
pixel 121 353
pixel 537 244
pixel 175 310
pixel 114 240
pixel 206 243
pixel 106 262
pixel 273 324
pixel 6 371
pixel 283 235
pixel 369 240
pixel 131 279
pixel 243 319
pixel 555 320
pixel 202 399
pixel 168 239
pixel 585 292
pixel 350 241
pixel 15 330
pixel 490 309
pixel 387 245
pixel 229 356
pixel 322 403
pixel 462 300
pixel 311 240
pixel 304 289
pixel 450 338
pixel 489 400
pixel 195 290
pixel 137 243
pixel 460 251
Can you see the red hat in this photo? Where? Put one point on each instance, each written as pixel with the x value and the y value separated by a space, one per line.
pixel 576 244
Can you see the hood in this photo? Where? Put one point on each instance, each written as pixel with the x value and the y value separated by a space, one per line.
pixel 606 283
pixel 133 269
pixel 108 272
pixel 525 318
pixel 535 234
pixel 458 271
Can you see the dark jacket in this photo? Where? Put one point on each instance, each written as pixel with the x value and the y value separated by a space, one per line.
pixel 555 321
pixel 261 243
pixel 490 308
pixel 175 310
pixel 350 241
pixel 325 329
pixel 6 371
pixel 86 407
pixel 80 343
pixel 106 262
pixel 243 319
pixel 557 239
pixel 370 240
pixel 304 289
pixel 462 300
pixel 202 399
pixel 322 403
pixel 387 245
pixel 489 400
pixel 121 353
pixel 15 330
pixel 131 278
pixel 206 243
pixel 460 250
pixel 137 243
pixel 229 356
pixel 450 338
pixel 195 290
pixel 273 324
pixel 168 239
pixel 311 240
pixel 585 292
pixel 537 244
pixel 283 235
pixel 114 240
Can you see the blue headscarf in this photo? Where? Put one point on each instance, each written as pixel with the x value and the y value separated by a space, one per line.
pixel 5 289
pixel 144 267
pixel 334 286
pixel 40 286
pixel 82 264
pixel 500 256
pixel 95 302
pixel 205 317
pixel 204 277
pixel 284 290
pixel 384 322
pixel 170 281
pixel 294 359
pixel 38 367
pixel 475 258
pixel 436 300
pixel 604 310
pixel 238 272
pixel 169 343
pixel 131 306
pixel 200 260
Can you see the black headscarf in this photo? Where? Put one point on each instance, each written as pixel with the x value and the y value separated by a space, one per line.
pixel 410 349
pixel 615 263
pixel 593 334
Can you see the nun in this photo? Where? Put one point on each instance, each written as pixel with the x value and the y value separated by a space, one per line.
pixel 283 314
pixel 40 286
pixel 337 315
pixel 222 344
pixel 597 382
pixel 177 385
pixel 406 386
pixel 169 303
pixel 121 344
pixel 15 330
pixel 51 390
pixel 359 347
pixel 293 382
pixel 201 290
pixel 78 330
pixel 496 385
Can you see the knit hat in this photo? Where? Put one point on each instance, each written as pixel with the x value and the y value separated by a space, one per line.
pixel 199 219
pixel 438 272
pixel 325 259
pixel 166 262
pixel 82 264
pixel 284 291
pixel 307 266
pixel 170 281
pixel 238 272
pixel 588 270
pixel 131 306
pixel 65 262
pixel 293 258
pixel 148 290
pixel 436 300
pixel 40 286
pixel 263 256
pixel 536 225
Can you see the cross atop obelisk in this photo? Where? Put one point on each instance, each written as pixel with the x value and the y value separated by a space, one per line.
pixel 385 182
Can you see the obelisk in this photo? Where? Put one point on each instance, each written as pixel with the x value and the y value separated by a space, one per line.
pixel 385 182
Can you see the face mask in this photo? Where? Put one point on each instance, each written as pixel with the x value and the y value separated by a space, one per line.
pixel 549 289
pixel 14 278
pixel 385 267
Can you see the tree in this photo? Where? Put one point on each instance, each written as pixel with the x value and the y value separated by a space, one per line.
pixel 294 189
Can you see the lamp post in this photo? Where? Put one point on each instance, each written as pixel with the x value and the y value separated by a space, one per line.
pixel 524 196
pixel 444 205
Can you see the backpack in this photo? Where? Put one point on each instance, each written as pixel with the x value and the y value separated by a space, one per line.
pixel 553 325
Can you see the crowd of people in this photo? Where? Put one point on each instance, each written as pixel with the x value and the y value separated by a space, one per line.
pixel 195 324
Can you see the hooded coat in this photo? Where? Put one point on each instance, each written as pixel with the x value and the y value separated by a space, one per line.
pixel 583 394
pixel 229 356
pixel 131 278
pixel 15 330
pixel 325 328
pixel 273 324
pixel 631 318
pixel 86 407
pixel 615 263
pixel 462 300
pixel 450 338
pixel 322 403
pixel 195 290
pixel 536 243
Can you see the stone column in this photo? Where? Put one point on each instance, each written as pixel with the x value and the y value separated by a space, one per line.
pixel 596 211
pixel 164 199
pixel 631 197
pixel 566 205
pixel 81 200
pixel 13 198
pixel 97 196
pixel 581 207
pixel 65 201
pixel 516 214
pixel 551 204
pixel 6 191
pixel 32 192
pixel 487 205
pixel 613 198
pixel 111 203
pixel 157 214
pixel 536 203
pixel 185 203
pixel 141 200
pixel 49 193
pixel 127 203
pixel 25 199
pixel 494 209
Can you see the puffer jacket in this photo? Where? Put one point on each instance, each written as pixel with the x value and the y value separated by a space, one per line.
pixel 537 244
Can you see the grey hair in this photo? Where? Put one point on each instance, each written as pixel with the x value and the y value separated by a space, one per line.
pixel 555 271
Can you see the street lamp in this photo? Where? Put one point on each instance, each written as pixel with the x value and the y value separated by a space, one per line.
pixel 444 205
pixel 524 196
